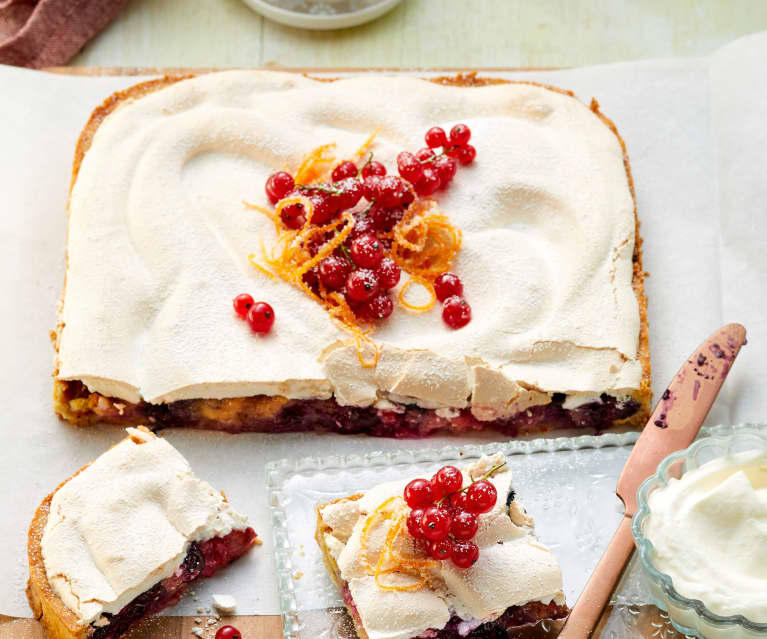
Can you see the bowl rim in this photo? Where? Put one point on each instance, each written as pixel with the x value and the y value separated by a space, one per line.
pixel 725 436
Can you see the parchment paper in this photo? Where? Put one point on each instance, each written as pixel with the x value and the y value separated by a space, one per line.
pixel 695 131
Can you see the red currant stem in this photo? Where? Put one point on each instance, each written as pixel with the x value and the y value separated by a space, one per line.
pixel 484 477
pixel 368 161
pixel 434 156
pixel 345 250
pixel 324 189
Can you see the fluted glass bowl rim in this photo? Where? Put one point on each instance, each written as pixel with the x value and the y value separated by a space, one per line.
pixel 725 437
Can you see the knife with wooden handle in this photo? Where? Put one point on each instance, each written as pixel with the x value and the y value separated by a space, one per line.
pixel 673 425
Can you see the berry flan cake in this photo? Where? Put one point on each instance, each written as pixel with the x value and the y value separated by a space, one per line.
pixel 259 251
pixel 124 537
pixel 453 556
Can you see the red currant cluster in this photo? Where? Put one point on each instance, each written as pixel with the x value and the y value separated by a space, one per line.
pixel 228 632
pixel 361 268
pixel 259 315
pixel 444 514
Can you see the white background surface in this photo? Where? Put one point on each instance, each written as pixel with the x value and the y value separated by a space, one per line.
pixel 695 133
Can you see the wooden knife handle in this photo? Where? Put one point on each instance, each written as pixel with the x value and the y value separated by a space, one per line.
pixel 584 617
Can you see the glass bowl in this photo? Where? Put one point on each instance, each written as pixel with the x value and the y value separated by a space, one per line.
pixel 691 616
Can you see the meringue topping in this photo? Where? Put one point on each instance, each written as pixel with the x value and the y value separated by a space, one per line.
pixel 513 568
pixel 159 239
pixel 125 523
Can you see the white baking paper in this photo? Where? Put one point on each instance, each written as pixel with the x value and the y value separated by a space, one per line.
pixel 695 132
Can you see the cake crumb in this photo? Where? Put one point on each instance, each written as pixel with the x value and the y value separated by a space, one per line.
pixel 197 632
pixel 297 575
pixel 212 622
pixel 200 611
pixel 198 621
pixel 224 603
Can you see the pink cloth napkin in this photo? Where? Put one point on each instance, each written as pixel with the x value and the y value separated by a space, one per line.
pixel 42 33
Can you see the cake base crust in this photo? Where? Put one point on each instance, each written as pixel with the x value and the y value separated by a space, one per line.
pixel 74 403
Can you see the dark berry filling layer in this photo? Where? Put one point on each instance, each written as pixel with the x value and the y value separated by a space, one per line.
pixel 275 415
pixel 202 560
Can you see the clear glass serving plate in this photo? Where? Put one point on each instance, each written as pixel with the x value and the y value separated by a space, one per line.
pixel 567 484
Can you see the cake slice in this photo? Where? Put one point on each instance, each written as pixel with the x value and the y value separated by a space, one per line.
pixel 169 181
pixel 401 576
pixel 124 537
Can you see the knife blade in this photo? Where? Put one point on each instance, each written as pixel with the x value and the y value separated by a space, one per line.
pixel 673 425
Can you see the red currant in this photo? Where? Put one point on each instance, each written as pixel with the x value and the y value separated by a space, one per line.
pixel 418 494
pixel 458 500
pixel 367 251
pixel 447 285
pixel 278 185
pixel 293 216
pixel 414 523
pixel 447 480
pixel 369 187
pixel 453 151
pixel 435 137
pixel 361 285
pixel 440 549
pixel 435 523
pixel 346 169
pixel 311 279
pixel 466 154
pixel 333 271
pixel 464 554
pixel 409 167
pixel 424 155
pixel 460 135
pixel 228 632
pixel 242 304
pixel 373 168
pixel 465 525
pixel 261 317
pixel 445 168
pixel 379 308
pixel 325 208
pixel 456 312
pixel 481 497
pixel 428 183
pixel 363 224
pixel 388 274
pixel 390 191
pixel 385 219
pixel 351 192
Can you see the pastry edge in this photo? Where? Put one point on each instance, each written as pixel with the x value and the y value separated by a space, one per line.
pixel 643 394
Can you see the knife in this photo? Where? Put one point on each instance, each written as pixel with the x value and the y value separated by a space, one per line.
pixel 673 425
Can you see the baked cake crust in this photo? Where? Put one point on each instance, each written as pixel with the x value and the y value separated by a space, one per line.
pixel 76 404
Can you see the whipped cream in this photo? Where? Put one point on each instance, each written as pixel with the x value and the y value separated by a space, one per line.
pixel 126 522
pixel 709 532
pixel 513 568
pixel 159 239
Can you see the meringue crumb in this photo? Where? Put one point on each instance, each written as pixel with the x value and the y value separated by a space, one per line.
pixel 197 632
pixel 199 612
pixel 212 622
pixel 297 575
pixel 198 621
pixel 224 603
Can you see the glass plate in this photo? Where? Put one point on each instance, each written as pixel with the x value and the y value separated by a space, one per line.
pixel 567 484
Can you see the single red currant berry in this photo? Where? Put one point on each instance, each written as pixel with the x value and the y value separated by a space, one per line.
pixel 464 554
pixel 385 219
pixel 458 500
pixel 449 480
pixel 379 308
pixel 428 183
pixel 435 523
pixel 369 187
pixel 424 155
pixel 362 225
pixel 388 274
pixel 333 271
pixel 456 312
pixel 414 523
pixel 464 526
pixel 445 168
pixel 481 497
pixel 409 167
pixel 460 135
pixel 228 632
pixel 361 285
pixel 373 168
pixel 346 169
pixel 466 154
pixel 242 304
pixel 447 285
pixel 435 137
pixel 261 317
pixel 440 549
pixel 293 216
pixel 418 494
pixel 351 192
pixel 325 208
pixel 278 185
pixel 389 191
pixel 311 279
pixel 367 251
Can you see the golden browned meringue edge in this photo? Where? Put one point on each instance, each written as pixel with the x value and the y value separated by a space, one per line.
pixel 82 414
